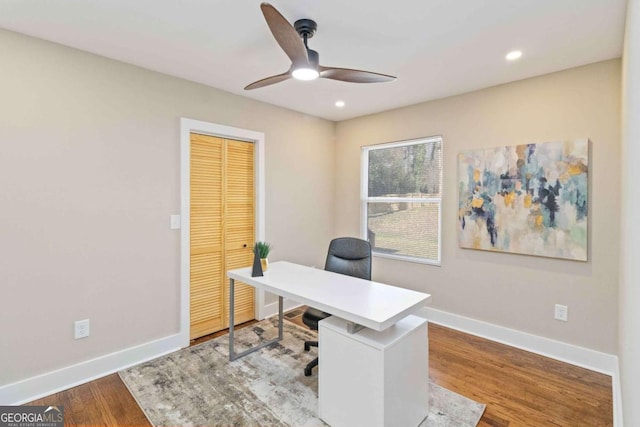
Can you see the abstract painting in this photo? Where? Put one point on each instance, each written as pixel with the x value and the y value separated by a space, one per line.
pixel 527 199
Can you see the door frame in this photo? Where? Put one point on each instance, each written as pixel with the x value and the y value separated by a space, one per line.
pixel 188 126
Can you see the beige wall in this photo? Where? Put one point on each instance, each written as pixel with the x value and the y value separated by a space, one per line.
pixel 89 171
pixel 515 291
pixel 629 333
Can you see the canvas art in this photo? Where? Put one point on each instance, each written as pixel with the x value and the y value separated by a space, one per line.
pixel 527 199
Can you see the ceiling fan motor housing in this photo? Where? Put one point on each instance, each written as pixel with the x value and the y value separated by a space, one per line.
pixel 314 58
pixel 305 27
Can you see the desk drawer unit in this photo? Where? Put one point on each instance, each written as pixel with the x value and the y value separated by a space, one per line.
pixel 374 378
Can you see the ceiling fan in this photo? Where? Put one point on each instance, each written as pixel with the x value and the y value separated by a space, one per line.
pixel 305 63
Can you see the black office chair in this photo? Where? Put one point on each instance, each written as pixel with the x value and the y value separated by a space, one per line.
pixel 347 255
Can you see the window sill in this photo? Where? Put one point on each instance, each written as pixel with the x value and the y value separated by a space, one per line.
pixel 407 259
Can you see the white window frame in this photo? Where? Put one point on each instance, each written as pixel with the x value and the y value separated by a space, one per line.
pixel 364 198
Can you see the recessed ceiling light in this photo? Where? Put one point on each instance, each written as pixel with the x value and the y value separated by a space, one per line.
pixel 339 104
pixel 513 55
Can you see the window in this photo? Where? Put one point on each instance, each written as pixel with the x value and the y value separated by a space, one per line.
pixel 401 199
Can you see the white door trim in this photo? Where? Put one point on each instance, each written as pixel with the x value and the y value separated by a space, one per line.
pixel 188 126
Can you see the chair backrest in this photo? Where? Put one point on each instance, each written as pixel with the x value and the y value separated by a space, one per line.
pixel 350 256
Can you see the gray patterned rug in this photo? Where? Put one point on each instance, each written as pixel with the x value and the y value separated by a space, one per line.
pixel 198 386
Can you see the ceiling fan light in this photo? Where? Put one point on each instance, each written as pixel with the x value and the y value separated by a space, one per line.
pixel 305 74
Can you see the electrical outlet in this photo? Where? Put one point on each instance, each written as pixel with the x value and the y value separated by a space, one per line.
pixel 81 329
pixel 562 312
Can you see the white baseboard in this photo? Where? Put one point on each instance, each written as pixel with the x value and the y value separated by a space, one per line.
pixel 568 353
pixel 61 379
pixel 272 308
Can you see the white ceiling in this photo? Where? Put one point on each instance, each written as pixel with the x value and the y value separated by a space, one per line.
pixel 436 48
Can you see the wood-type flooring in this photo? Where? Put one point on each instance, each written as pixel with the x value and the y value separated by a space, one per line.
pixel 518 387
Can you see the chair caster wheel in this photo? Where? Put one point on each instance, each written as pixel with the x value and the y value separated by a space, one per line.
pixel 307 372
pixel 307 347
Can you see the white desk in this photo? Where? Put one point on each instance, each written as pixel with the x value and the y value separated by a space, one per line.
pixel 361 304
pixel 370 304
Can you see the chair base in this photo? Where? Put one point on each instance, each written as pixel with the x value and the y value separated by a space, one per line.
pixel 314 362
pixel 310 366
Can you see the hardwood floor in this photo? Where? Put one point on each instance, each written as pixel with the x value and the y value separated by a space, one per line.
pixel 518 387
pixel 103 402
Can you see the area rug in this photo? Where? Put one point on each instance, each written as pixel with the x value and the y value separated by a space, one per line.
pixel 198 386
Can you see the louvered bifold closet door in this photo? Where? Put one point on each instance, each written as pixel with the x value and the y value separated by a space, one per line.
pixel 207 314
pixel 240 220
pixel 222 230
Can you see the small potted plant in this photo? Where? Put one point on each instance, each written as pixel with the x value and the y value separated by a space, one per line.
pixel 263 249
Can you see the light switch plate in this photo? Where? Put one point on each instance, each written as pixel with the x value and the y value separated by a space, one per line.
pixel 175 222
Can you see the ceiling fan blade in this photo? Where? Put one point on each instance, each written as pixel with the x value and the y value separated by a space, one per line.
pixel 269 81
pixel 354 76
pixel 286 36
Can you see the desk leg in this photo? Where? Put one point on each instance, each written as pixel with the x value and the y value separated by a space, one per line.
pixel 353 328
pixel 232 282
pixel 232 354
pixel 280 317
